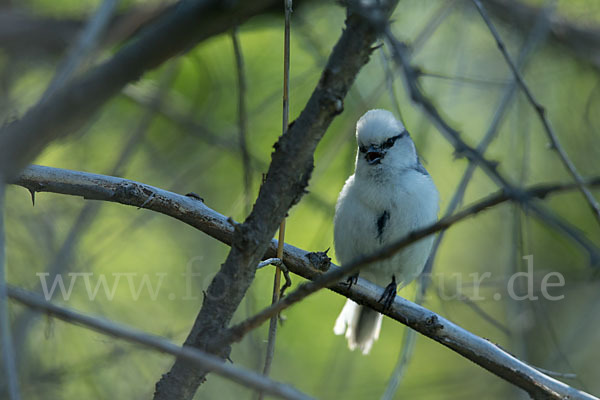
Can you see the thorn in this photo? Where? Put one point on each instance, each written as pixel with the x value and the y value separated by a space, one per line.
pixel 194 196
pixel 32 197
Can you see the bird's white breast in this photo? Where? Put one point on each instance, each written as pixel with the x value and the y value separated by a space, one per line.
pixel 411 201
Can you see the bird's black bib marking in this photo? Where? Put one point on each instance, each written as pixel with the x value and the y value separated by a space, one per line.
pixel 381 223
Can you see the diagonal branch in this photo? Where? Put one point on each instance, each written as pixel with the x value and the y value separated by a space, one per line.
pixel 541 112
pixel 580 40
pixel 285 184
pixel 194 356
pixel 69 108
pixel 84 46
pixel 410 74
pixel 195 213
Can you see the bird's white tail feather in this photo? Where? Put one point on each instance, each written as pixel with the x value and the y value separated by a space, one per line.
pixel 360 324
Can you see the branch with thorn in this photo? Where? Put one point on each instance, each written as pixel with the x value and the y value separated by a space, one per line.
pixel 198 215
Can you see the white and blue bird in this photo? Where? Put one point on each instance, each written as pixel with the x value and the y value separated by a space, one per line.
pixel 389 195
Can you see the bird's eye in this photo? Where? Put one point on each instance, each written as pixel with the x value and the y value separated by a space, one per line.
pixel 362 149
pixel 389 143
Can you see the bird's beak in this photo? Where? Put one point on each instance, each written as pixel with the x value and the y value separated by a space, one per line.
pixel 374 155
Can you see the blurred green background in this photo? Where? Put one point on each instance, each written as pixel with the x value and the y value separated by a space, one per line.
pixel 188 143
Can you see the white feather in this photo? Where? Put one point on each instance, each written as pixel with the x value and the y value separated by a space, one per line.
pixel 399 186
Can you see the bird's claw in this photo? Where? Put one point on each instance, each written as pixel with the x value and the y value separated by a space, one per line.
pixel 389 294
pixel 352 279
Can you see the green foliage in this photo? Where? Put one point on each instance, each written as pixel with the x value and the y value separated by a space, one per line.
pixel 64 361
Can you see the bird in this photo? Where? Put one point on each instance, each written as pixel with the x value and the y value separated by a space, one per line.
pixel 389 195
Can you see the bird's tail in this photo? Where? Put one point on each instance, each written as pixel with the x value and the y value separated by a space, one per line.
pixel 360 324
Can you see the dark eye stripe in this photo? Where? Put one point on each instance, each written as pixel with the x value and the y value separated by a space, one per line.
pixel 390 142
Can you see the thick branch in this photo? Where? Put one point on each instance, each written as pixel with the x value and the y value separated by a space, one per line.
pixel 247 378
pixel 180 28
pixel 24 34
pixel 198 215
pixel 285 184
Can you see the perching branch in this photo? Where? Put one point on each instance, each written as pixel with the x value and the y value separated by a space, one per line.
pixel 541 112
pixel 285 184
pixel 193 356
pixel 195 213
pixel 70 107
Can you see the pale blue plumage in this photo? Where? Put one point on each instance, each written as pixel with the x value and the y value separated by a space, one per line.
pixel 389 195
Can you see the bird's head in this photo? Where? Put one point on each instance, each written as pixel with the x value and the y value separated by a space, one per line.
pixel 383 144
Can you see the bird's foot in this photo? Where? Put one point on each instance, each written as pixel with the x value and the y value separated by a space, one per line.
pixel 389 294
pixel 352 279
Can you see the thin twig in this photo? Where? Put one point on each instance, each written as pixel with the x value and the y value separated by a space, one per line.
pixel 8 356
pixel 406 352
pixel 197 214
pixel 538 33
pixel 89 212
pixel 242 120
pixel 281 238
pixel 84 46
pixel 217 139
pixel 400 55
pixel 337 274
pixel 389 83
pixel 443 11
pixel 278 262
pixel 71 107
pixel 194 356
pixel 541 112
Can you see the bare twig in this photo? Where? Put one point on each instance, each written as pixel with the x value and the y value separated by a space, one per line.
pixel 89 212
pixel 541 111
pixel 389 83
pixel 337 274
pixel 581 40
pixel 539 31
pixel 440 14
pixel 285 183
pixel 287 4
pixel 8 356
pixel 406 352
pixel 204 134
pixel 197 214
pixel 400 55
pixel 242 120
pixel 69 108
pixel 278 262
pixel 564 375
pixel 191 355
pixel 84 46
